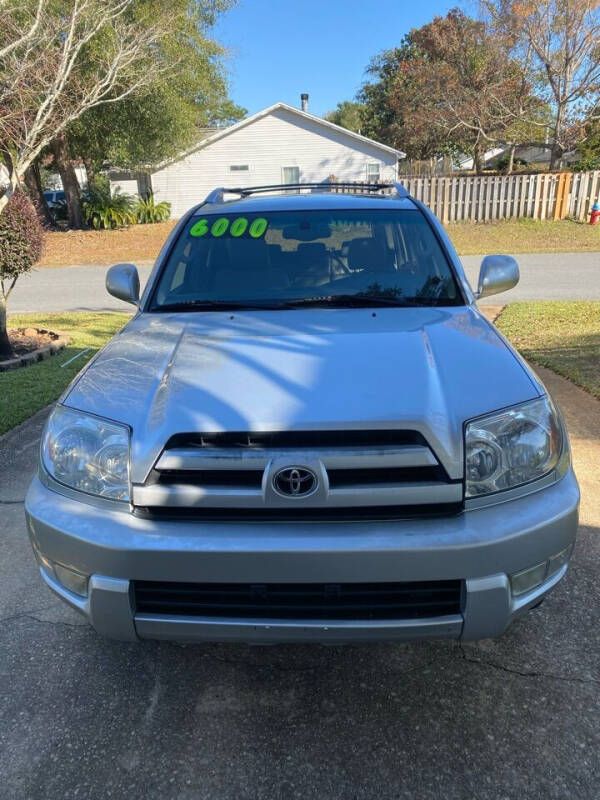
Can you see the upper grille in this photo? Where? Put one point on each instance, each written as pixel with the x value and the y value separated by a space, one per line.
pixel 355 469
pixel 307 601
pixel 296 439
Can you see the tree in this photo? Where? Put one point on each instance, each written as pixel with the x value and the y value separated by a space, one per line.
pixel 60 58
pixel 589 148
pixel 391 100
pixel 156 123
pixel 348 114
pixel 162 119
pixel 21 244
pixel 563 38
pixel 450 86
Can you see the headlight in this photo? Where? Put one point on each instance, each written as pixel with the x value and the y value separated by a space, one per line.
pixel 87 453
pixel 512 447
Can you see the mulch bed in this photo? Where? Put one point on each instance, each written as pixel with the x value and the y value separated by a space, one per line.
pixel 138 244
pixel 31 345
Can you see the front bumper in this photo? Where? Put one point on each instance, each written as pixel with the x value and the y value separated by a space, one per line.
pixel 481 547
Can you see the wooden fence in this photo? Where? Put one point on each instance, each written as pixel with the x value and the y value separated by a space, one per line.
pixel 539 196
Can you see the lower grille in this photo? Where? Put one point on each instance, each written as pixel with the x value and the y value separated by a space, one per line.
pixel 307 601
pixel 301 515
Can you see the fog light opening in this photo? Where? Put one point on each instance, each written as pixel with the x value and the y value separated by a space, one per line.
pixel 528 579
pixel 73 581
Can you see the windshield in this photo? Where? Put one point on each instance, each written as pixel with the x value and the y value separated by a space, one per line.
pixel 298 258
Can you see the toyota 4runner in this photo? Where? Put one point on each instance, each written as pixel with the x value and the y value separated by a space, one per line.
pixel 307 432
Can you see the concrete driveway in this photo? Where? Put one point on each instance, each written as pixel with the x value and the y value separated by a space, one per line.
pixel 549 276
pixel 516 717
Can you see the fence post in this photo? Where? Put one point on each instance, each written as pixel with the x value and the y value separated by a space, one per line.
pixel 583 195
pixel 594 191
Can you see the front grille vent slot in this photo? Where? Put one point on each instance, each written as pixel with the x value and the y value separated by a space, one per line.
pixel 297 514
pixel 293 440
pixel 306 601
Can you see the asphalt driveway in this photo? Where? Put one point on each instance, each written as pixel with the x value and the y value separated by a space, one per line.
pixel 544 276
pixel 515 717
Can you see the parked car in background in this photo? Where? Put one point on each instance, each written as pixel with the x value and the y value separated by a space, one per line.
pixel 57 203
pixel 308 432
pixel 54 198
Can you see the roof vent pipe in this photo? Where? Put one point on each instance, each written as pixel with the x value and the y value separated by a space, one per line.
pixel 304 101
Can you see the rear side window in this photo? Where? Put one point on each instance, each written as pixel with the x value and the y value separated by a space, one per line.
pixel 300 254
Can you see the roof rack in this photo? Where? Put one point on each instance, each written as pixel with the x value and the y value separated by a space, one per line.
pixel 217 195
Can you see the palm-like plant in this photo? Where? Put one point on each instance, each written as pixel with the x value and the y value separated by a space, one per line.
pixel 103 209
pixel 146 210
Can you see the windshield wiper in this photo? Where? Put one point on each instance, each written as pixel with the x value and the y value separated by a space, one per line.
pixel 218 305
pixel 353 301
pixel 336 300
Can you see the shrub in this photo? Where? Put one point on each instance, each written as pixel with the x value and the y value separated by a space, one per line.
pixel 102 209
pixel 21 237
pixel 21 245
pixel 502 163
pixel 146 210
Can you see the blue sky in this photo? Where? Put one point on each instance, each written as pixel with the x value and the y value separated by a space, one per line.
pixel 280 48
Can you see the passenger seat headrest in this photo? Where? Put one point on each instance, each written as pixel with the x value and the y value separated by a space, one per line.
pixel 366 253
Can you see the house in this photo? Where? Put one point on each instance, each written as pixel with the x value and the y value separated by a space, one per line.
pixel 280 144
pixel 524 154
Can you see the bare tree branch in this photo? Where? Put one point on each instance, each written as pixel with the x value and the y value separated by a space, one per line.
pixel 63 65
pixel 564 38
pixel 29 34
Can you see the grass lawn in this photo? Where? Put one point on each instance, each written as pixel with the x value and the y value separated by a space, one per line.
pixel 564 336
pixel 28 389
pixel 142 242
pixel 524 236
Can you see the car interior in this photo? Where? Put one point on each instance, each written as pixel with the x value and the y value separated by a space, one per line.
pixel 285 262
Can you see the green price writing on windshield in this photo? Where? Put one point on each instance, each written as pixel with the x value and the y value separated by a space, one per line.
pixel 223 226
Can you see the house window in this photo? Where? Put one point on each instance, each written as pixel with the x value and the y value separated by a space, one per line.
pixel 239 168
pixel 373 173
pixel 291 174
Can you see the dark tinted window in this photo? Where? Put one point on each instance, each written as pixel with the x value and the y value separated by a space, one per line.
pixel 292 256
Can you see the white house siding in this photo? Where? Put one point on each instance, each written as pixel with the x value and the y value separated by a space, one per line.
pixel 279 139
pixel 126 185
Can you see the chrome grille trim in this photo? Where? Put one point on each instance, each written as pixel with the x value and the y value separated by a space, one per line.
pixel 199 458
pixel 186 496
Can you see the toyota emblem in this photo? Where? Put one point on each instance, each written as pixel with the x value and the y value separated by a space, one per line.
pixel 295 482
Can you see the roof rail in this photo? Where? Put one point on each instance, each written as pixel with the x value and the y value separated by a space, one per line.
pixel 324 186
pixel 217 195
pixel 401 191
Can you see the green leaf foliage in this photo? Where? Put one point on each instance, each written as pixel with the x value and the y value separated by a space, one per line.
pixel 589 149
pixel 147 211
pixel 348 114
pixel 189 93
pixel 105 211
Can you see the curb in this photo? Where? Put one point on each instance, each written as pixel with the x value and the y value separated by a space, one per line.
pixel 29 421
pixel 37 355
pixel 491 313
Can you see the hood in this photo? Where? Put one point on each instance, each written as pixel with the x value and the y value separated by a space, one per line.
pixel 424 369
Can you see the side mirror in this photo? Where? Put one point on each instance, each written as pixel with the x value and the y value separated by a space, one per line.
pixel 497 274
pixel 123 282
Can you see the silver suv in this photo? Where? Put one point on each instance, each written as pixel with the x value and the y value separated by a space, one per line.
pixel 307 432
